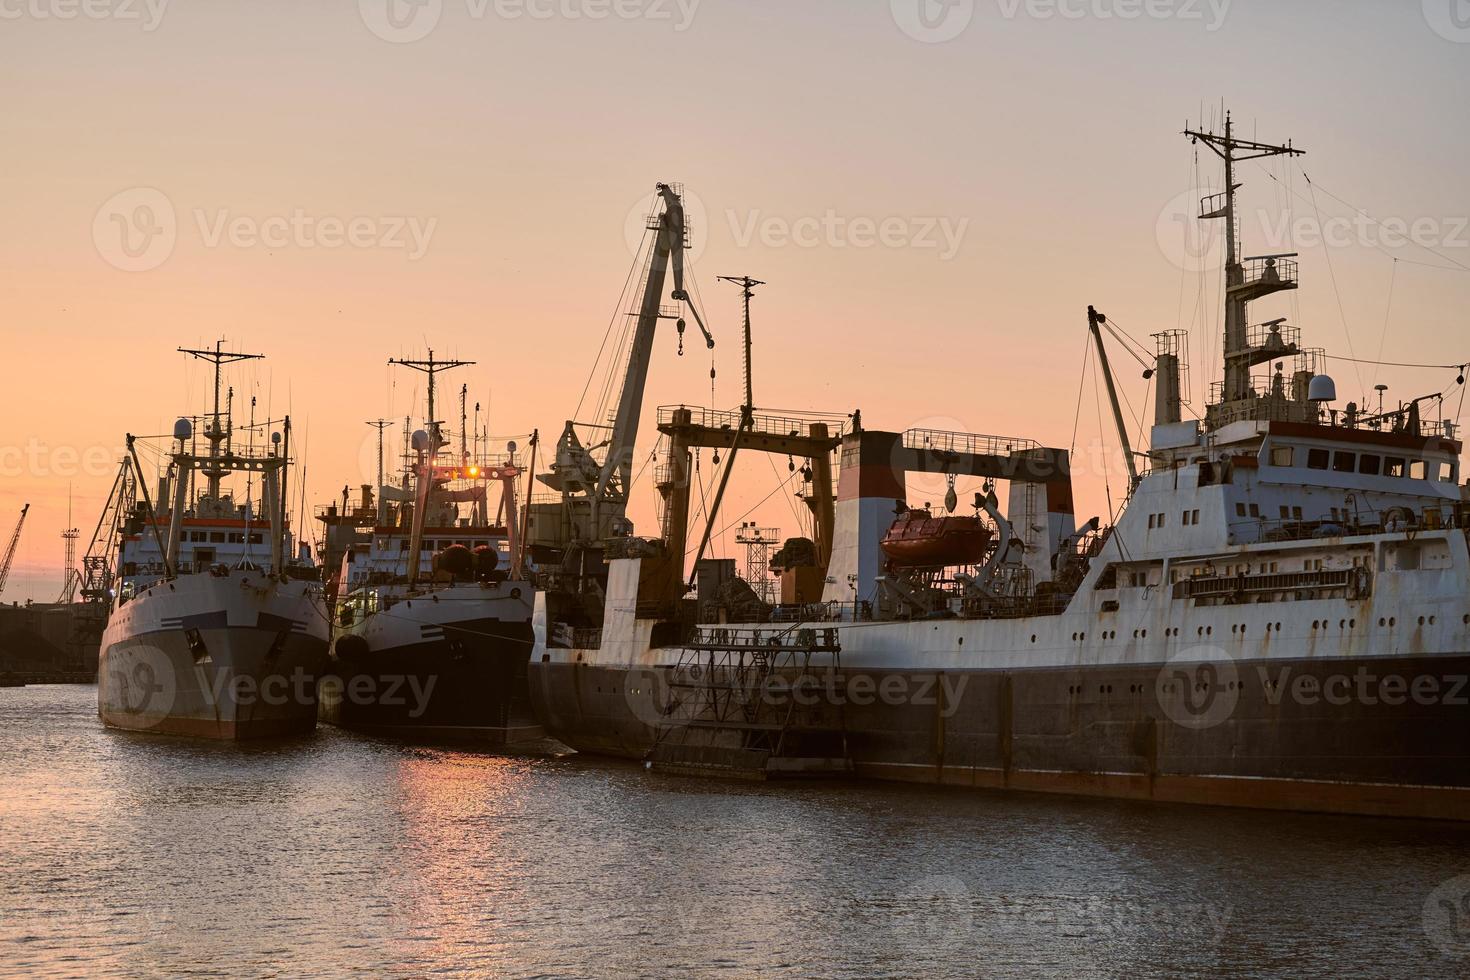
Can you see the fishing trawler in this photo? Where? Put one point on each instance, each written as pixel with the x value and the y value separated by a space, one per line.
pixel 215 630
pixel 433 614
pixel 1279 616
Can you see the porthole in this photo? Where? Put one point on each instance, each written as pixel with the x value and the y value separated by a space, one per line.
pixel 1352 624
pixel 1209 631
pixel 1421 620
pixel 1382 621
pixel 1033 637
pixel 1431 620
pixel 961 641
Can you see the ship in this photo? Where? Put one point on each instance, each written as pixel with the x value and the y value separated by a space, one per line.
pixel 1278 616
pixel 216 629
pixel 432 609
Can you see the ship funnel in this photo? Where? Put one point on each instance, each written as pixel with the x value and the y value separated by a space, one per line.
pixel 1321 389
pixel 183 430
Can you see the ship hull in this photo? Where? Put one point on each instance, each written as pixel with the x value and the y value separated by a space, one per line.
pixel 1142 731
pixel 214 657
pixel 451 670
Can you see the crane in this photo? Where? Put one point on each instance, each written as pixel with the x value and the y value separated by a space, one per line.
pixel 598 490
pixel 10 550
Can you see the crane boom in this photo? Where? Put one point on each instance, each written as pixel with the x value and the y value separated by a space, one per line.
pixel 10 549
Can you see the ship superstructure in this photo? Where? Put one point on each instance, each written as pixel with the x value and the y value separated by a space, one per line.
pixel 433 606
pixel 1278 617
pixel 215 630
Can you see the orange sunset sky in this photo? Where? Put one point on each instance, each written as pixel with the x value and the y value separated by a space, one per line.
pixel 332 183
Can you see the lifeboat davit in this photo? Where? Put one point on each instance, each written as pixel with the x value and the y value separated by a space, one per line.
pixel 918 539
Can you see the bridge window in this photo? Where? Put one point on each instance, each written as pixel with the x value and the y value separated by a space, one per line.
pixel 1393 466
pixel 1368 464
pixel 1316 459
pixel 1416 469
pixel 1281 455
pixel 1343 462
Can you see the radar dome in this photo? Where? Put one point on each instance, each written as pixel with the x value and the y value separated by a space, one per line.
pixel 183 429
pixel 420 441
pixel 1321 389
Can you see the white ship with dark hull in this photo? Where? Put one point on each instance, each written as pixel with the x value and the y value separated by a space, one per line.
pixel 214 632
pixel 1279 617
pixel 433 623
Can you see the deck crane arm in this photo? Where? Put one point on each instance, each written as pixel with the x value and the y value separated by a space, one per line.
pixel 668 249
pixel 680 293
pixel 10 549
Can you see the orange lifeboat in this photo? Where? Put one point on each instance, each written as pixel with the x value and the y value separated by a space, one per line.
pixel 918 539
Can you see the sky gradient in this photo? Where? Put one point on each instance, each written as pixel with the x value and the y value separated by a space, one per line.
pixel 932 216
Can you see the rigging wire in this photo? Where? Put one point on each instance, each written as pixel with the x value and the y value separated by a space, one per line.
pixel 1081 386
pixel 1387 311
pixel 1332 275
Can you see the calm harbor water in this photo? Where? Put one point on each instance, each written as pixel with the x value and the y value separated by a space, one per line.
pixel 127 855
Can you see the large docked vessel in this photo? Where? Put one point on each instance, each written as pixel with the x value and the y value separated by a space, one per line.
pixel 433 612
pixel 215 629
pixel 1278 617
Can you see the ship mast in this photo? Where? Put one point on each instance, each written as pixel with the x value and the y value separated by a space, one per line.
pixel 219 357
pixel 430 367
pixel 1245 279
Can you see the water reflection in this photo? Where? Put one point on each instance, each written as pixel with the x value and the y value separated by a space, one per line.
pixel 134 854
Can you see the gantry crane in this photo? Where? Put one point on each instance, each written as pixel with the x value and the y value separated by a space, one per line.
pixel 10 550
